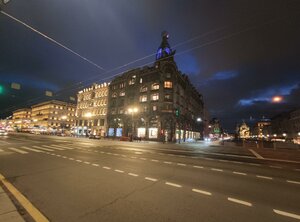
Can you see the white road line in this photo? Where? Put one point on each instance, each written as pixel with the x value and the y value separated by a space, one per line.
pixel 63 147
pixel 52 154
pixel 181 164
pixel 199 167
pixel 64 157
pixel 1 150
pixel 133 174
pixel 239 173
pixel 256 154
pixel 292 181
pixel 79 161
pixel 254 164
pixel 151 179
pixel 58 155
pixel 107 168
pixel 215 169
pixel 154 160
pixel 31 149
pixel 102 152
pixel 201 191
pixel 18 150
pixel 124 156
pixel 225 161
pixel 115 154
pixel 138 153
pixel 167 162
pixel 287 214
pixel 240 202
pixel 181 156
pixel 173 184
pixel 95 164
pixel 143 158
pixel 119 171
pixel 276 167
pixel 71 158
pixel 264 177
pixel 86 162
pixel 41 148
pixel 56 148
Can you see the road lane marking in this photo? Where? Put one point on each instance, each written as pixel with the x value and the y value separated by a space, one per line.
pixel 173 184
pixel 18 150
pixel 124 156
pixel 256 154
pixel 107 168
pixel 71 158
pixel 143 158
pixel 181 164
pixel 215 169
pixel 264 177
pixel 95 164
pixel 138 152
pixel 29 207
pixel 276 167
pixel 167 162
pixel 64 157
pixel 287 214
pixel 199 167
pixel 292 181
pixel 133 174
pixel 31 149
pixel 225 161
pixel 154 160
pixel 239 173
pixel 56 148
pixel 181 156
pixel 119 171
pixel 151 179
pixel 64 147
pixel 202 192
pixel 79 161
pixel 115 154
pixel 1 150
pixel 58 155
pixel 41 148
pixel 254 164
pixel 86 162
pixel 133 157
pixel 240 201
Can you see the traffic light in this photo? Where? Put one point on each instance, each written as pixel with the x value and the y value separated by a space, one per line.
pixel 177 112
pixel 1 89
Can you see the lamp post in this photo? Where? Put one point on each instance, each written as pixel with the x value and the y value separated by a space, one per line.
pixel 132 111
pixel 63 124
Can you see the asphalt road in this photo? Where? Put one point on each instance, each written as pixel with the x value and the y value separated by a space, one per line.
pixel 71 179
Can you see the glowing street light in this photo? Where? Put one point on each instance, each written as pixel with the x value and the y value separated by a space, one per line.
pixel 284 134
pixel 274 135
pixel 298 133
pixel 88 115
pixel 199 119
pixel 277 99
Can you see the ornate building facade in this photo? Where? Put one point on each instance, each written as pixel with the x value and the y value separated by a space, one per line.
pixel 155 102
pixel 21 119
pixel 92 110
pixel 53 115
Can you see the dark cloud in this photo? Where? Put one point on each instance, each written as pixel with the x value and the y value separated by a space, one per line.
pixel 242 50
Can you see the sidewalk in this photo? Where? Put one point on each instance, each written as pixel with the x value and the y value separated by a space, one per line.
pixel 8 211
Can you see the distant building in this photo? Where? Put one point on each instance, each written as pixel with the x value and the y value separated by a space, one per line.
pixel 156 102
pixel 287 125
pixel 21 119
pixel 215 129
pixel 262 129
pixel 243 131
pixel 53 115
pixel 91 111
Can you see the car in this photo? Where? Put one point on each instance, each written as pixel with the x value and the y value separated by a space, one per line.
pixel 94 137
pixel 3 132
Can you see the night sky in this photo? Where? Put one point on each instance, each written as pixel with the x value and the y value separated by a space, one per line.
pixel 239 54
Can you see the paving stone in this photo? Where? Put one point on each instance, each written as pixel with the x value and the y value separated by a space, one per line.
pixel 6 204
pixel 11 217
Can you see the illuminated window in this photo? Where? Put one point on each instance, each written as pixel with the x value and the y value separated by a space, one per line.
pixel 155 97
pixel 114 95
pixel 154 108
pixel 141 80
pixel 122 93
pixel 132 80
pixel 168 84
pixel 168 97
pixel 144 89
pixel 122 85
pixel 155 86
pixel 143 98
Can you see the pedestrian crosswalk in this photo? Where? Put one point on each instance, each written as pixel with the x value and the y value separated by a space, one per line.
pixel 36 149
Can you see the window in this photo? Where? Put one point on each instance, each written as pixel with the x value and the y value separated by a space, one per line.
pixel 145 109
pixel 141 80
pixel 168 84
pixel 144 89
pixel 114 95
pixel 155 86
pixel 155 97
pixel 122 85
pixel 143 98
pixel 132 80
pixel 168 75
pixel 154 108
pixel 122 93
pixel 168 97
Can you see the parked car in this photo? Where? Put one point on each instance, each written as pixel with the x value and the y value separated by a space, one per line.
pixel 94 137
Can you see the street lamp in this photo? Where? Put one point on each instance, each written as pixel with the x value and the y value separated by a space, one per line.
pixel 132 111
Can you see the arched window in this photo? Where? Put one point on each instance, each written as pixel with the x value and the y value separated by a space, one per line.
pixel 154 86
pixel 144 89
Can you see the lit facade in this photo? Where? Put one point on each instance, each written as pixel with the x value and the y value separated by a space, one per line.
pixel 156 102
pixel 53 115
pixel 91 110
pixel 21 119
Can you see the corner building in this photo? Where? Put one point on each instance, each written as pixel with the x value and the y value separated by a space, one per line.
pixel 155 103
